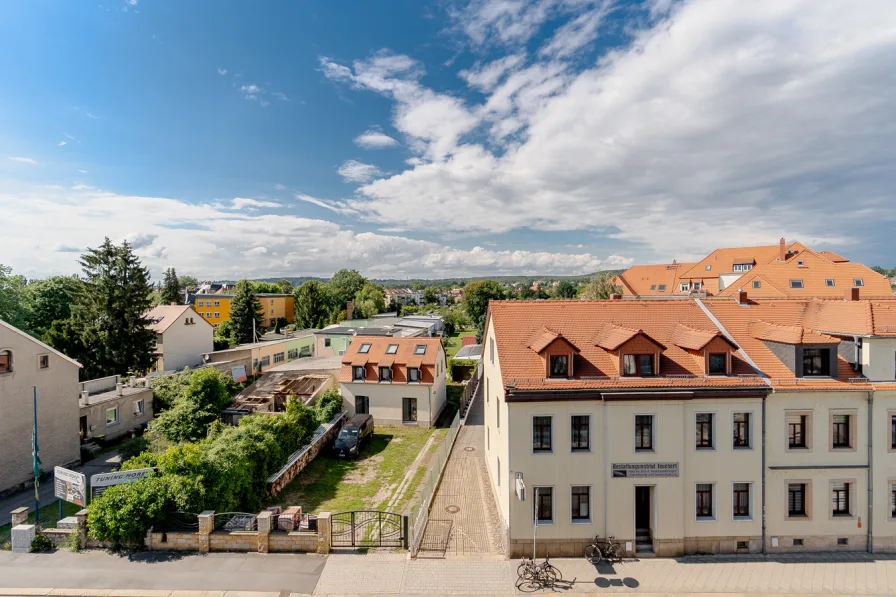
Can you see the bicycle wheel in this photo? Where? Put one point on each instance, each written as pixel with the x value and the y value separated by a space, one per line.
pixel 552 574
pixel 592 554
pixel 614 552
pixel 524 571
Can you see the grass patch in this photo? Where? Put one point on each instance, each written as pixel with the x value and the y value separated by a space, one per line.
pixel 454 342
pixel 331 484
pixel 49 515
pixel 422 472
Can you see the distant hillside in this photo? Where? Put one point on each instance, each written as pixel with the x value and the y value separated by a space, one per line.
pixel 444 282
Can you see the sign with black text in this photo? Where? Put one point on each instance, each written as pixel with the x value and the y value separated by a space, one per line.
pixel 102 481
pixel 645 470
pixel 70 486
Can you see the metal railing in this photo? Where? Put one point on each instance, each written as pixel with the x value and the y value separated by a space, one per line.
pixel 470 387
pixel 420 513
pixel 319 433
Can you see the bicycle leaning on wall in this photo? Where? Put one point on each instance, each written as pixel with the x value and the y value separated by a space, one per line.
pixel 604 549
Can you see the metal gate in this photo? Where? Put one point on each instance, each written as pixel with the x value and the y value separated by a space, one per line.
pixel 368 528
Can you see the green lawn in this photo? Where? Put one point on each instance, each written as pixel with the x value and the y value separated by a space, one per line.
pixel 454 342
pixel 331 484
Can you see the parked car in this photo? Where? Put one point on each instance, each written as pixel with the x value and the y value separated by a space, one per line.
pixel 352 435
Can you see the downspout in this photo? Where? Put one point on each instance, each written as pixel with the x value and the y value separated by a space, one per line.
pixel 870 471
pixel 764 549
pixel 606 479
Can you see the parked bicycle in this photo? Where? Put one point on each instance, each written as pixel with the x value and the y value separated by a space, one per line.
pixel 533 576
pixel 604 549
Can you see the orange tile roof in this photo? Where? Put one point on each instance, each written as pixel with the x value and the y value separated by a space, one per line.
pixel 820 278
pixel 721 261
pixel 545 337
pixel 608 323
pixel 789 334
pixel 692 339
pixel 645 280
pixel 831 256
pixel 404 357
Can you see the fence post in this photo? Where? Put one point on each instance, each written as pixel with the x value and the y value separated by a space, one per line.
pixel 264 531
pixel 206 526
pixel 82 527
pixel 19 516
pixel 323 533
pixel 404 522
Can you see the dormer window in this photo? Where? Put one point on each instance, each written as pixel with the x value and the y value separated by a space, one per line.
pixel 637 365
pixel 817 361
pixel 718 363
pixel 413 375
pixel 364 348
pixel 358 374
pixel 683 287
pixel 385 374
pixel 858 282
pixel 392 349
pixel 559 365
pixel 698 286
pixel 741 267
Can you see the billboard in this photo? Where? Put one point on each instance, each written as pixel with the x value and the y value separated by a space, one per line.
pixel 70 486
pixel 238 373
pixel 102 481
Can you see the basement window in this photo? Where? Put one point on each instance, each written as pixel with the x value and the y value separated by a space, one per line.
pixel 797 542
pixel 796 283
pixel 842 541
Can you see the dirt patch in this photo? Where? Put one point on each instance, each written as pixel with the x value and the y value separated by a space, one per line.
pixel 365 473
pixel 382 496
pixel 396 440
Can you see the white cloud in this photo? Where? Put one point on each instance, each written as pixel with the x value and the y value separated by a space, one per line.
pixel 92 116
pixel 251 204
pixel 577 33
pixel 280 96
pixel 22 160
pixel 62 144
pixel 217 242
pixel 222 71
pixel 83 171
pixel 330 205
pixel 355 171
pixel 374 139
pixel 724 123
pixel 485 76
pixel 67 136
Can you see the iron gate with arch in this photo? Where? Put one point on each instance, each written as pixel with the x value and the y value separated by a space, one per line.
pixel 368 528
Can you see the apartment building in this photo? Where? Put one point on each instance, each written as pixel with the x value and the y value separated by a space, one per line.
pixel 110 409
pixel 258 357
pixel 669 424
pixel 769 271
pixel 215 308
pixel 400 381
pixel 28 365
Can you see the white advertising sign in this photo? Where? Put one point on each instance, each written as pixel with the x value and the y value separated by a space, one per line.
pixel 70 486
pixel 100 482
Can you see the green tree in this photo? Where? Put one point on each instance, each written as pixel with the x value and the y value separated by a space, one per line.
pixel 343 287
pixel 245 313
pixel 369 301
pixel 108 330
pixel 455 318
pixel 431 295
pixel 201 400
pixel 11 288
pixel 600 287
pixel 265 287
pixel 170 293
pixel 477 294
pixel 188 282
pixel 225 336
pixel 311 306
pixel 48 301
pixel 285 286
pixel 565 290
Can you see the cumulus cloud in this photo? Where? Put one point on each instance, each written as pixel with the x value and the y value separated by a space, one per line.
pixel 374 139
pixel 218 242
pixel 222 71
pixel 355 171
pixel 719 123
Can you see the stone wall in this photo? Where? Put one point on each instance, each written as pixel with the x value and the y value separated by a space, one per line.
pixel 303 457
pixel 233 541
pixel 175 541
pixel 293 542
pixel 818 543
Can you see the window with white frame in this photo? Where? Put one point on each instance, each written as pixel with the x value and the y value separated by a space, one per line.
pixel 139 408
pixel 740 504
pixel 580 503
pixel 112 416
pixel 683 287
pixel 704 501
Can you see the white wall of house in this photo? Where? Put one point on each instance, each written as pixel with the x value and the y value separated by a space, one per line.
pixel 128 416
pixel 57 409
pixel 183 344
pixel 879 358
pixel 386 402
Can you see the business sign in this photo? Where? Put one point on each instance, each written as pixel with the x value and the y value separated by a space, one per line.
pixel 102 481
pixel 238 373
pixel 70 486
pixel 645 469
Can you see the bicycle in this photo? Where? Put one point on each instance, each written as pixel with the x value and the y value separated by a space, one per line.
pixel 601 549
pixel 532 576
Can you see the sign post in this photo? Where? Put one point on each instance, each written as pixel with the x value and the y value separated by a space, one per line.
pixel 70 486
pixel 102 481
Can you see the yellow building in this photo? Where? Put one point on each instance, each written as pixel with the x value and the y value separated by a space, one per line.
pixel 215 308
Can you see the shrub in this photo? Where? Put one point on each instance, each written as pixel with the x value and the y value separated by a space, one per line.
pixel 73 542
pixel 41 543
pixel 328 406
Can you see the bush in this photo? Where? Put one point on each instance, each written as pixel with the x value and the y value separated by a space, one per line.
pixel 41 543
pixel 328 406
pixel 73 542
pixel 197 399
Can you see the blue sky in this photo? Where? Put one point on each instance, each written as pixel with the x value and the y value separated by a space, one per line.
pixel 457 137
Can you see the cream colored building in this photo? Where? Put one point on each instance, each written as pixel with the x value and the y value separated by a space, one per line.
pixel 400 381
pixel 182 336
pixel 669 424
pixel 111 409
pixel 25 364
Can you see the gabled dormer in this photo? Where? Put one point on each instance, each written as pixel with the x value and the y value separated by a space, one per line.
pixel 637 354
pixel 712 350
pixel 557 352
pixel 805 352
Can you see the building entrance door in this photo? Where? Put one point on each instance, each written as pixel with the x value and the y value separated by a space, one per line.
pixel 643 519
pixel 83 428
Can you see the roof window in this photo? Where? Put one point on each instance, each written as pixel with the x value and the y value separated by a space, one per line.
pixel 365 348
pixel 796 283
pixel 829 282
pixel 392 349
pixel 757 284
pixel 653 286
pixel 708 268
pixel 420 349
pixel 858 282
pixel 800 263
pixel 661 288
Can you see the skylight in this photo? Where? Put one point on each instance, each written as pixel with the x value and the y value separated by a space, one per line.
pixel 757 284
pixel 829 282
pixel 392 349
pixel 661 288
pixel 858 282
pixel 420 349
pixel 796 283
pixel 365 348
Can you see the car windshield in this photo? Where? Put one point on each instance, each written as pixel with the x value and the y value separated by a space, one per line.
pixel 348 433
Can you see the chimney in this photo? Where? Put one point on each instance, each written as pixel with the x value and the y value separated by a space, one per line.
pixel 741 296
pixel 852 294
pixel 615 297
pixel 118 388
pixel 349 306
pixel 782 250
pixel 173 303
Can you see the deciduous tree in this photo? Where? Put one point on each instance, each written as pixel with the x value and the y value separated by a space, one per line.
pixel 565 290
pixel 369 301
pixel 477 294
pixel 431 295
pixel 599 287
pixel 50 300
pixel 11 288
pixel 343 287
